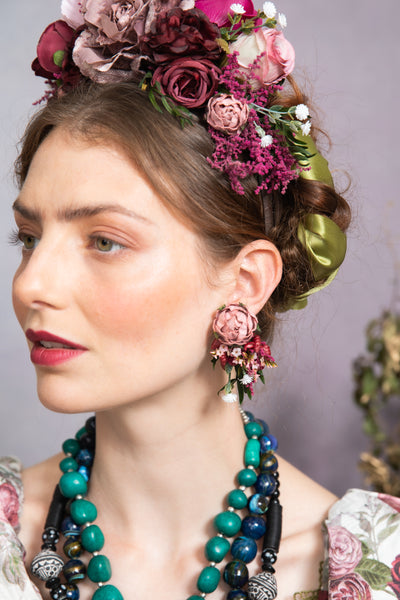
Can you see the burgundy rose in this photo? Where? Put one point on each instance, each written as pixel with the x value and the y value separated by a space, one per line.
pixel 217 10
pixel 226 113
pixel 345 551
pixel 395 572
pixel 351 587
pixel 10 503
pixel 54 54
pixel 188 81
pixel 234 324
pixel 178 33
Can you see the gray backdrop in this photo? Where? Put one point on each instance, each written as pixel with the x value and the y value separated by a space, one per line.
pixel 348 56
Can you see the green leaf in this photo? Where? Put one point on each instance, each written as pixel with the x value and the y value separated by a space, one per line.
pixel 154 101
pixel 375 573
pixel 385 533
pixel 366 550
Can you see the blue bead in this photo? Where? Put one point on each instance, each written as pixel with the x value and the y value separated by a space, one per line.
pixel 69 528
pixel 236 574
pixel 74 570
pixel 263 425
pixel 268 443
pixel 84 457
pixel 85 472
pixel 253 527
pixel 237 595
pixel 72 592
pixel 265 484
pixel 249 415
pixel 268 463
pixel 244 548
pixel 258 504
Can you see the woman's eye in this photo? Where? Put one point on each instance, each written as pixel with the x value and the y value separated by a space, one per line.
pixel 106 245
pixel 29 241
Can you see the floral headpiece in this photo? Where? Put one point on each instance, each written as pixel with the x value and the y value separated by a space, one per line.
pixel 223 62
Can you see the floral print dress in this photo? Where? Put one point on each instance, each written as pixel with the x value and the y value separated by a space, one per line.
pixel 362 542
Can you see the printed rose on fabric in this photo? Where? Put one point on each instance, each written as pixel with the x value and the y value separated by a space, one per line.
pixel 278 55
pixel 226 113
pixel 54 49
pixel 395 573
pixel 345 551
pixel 10 503
pixel 234 324
pixel 188 81
pixel 217 10
pixel 391 500
pixel 349 587
pixel 179 33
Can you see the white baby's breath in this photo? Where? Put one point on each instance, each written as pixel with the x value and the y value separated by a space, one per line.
pixel 266 141
pixel 237 8
pixel 229 398
pixel 282 20
pixel 302 112
pixel 306 128
pixel 269 10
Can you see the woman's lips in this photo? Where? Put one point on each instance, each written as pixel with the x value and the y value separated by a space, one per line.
pixel 50 350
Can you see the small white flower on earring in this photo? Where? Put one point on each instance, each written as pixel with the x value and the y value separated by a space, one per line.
pixel 229 398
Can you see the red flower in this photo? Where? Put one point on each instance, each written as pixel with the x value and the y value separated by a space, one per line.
pixel 217 10
pixel 188 81
pixel 178 33
pixel 395 585
pixel 351 586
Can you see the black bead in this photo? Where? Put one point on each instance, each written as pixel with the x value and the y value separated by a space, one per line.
pixel 87 441
pixel 50 536
pixel 53 582
pixel 59 593
pixel 90 425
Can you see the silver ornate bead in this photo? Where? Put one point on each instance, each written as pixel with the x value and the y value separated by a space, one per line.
pixel 262 587
pixel 46 565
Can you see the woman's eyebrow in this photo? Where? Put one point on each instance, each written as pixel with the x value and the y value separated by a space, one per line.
pixel 81 212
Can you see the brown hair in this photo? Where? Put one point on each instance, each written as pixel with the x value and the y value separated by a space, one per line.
pixel 174 162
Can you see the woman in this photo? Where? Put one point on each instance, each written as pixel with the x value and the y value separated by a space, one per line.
pixel 160 209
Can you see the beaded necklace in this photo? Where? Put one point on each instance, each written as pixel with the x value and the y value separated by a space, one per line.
pixel 74 516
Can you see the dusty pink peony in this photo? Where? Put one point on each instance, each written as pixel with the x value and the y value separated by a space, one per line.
pixel 188 81
pixel 345 551
pixel 349 587
pixel 226 113
pixel 234 324
pixel 278 54
pixel 10 503
pixel 72 13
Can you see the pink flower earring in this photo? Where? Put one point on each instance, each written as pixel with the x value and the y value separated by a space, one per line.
pixel 240 350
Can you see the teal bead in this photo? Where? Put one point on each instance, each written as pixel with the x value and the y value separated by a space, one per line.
pixel 195 598
pixel 92 538
pixel 80 432
pixel 99 569
pixel 107 592
pixel 253 429
pixel 237 499
pixel 217 548
pixel 208 580
pixel 72 484
pixel 252 453
pixel 68 464
pixel 228 523
pixel 247 477
pixel 71 446
pixel 83 511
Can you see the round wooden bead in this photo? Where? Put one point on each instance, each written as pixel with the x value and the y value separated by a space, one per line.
pixel 74 570
pixel 252 429
pixel 47 565
pixel 237 499
pixel 208 580
pixel 92 538
pixel 83 511
pixel 216 549
pixel 107 592
pixel 69 528
pixel 247 477
pixel 99 569
pixel 228 523
pixel 71 446
pixel 195 598
pixel 236 574
pixel 252 453
pixel 72 484
pixel 68 464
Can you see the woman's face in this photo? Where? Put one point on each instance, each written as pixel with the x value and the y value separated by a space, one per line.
pixel 108 274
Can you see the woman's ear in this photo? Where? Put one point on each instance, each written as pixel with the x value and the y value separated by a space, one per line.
pixel 257 271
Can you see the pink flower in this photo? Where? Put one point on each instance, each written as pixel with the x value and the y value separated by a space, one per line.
pixel 349 587
pixel 188 81
pixel 345 551
pixel 278 54
pixel 234 324
pixel 391 500
pixel 10 503
pixel 217 10
pixel 395 572
pixel 226 113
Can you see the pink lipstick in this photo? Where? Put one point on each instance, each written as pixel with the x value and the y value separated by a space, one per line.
pixel 50 350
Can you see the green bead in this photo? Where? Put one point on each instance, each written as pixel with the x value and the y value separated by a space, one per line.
pixel 216 549
pixel 80 433
pixel 107 592
pixel 71 446
pixel 99 568
pixel 72 484
pixel 228 523
pixel 247 477
pixel 237 499
pixel 83 511
pixel 195 598
pixel 252 453
pixel 253 429
pixel 92 538
pixel 208 580
pixel 68 464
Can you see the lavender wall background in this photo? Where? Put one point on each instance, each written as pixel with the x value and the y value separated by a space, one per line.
pixel 349 56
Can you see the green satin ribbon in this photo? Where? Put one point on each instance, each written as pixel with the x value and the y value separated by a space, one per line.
pixel 326 246
pixel 319 168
